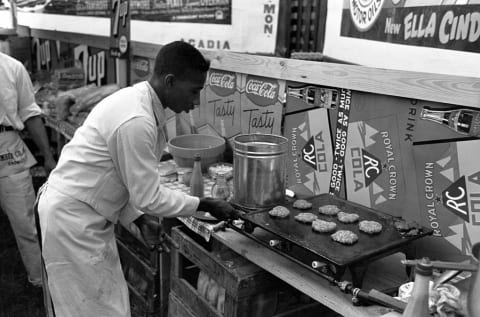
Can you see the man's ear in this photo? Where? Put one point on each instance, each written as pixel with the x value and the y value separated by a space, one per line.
pixel 169 80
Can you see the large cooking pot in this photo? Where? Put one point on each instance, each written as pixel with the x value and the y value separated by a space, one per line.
pixel 259 170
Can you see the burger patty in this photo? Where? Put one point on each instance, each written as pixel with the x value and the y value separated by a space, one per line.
pixel 344 237
pixel 302 204
pixel 306 217
pixel 323 226
pixel 279 211
pixel 346 217
pixel 329 210
pixel 370 226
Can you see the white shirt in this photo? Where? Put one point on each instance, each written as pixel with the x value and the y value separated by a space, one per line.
pixel 111 162
pixel 17 101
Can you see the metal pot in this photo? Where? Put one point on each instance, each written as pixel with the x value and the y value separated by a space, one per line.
pixel 259 165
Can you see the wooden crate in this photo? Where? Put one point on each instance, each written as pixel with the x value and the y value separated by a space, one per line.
pixel 249 290
pixel 307 25
pixel 176 308
pixel 147 271
pixel 143 280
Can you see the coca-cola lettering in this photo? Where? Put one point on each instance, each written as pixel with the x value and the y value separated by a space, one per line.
pixel 222 83
pixel 261 88
pixel 222 80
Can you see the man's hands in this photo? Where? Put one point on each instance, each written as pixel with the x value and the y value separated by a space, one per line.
pixel 218 208
pixel 153 234
pixel 150 228
pixel 49 163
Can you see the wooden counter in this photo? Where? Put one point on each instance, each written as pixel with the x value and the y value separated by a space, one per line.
pixel 301 278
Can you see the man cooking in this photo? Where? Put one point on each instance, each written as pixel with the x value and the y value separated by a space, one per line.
pixel 107 173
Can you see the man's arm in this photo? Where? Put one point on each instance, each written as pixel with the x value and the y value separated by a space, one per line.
pixel 37 131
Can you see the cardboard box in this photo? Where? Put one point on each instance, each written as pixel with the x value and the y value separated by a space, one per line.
pixel 448 180
pixel 301 97
pixel 309 159
pixel 222 101
pixel 379 162
pixel 262 105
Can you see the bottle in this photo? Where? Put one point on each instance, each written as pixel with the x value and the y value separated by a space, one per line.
pixel 182 126
pixel 474 291
pixel 196 180
pixel 202 283
pixel 315 96
pixel 193 126
pixel 228 154
pixel 463 121
pixel 220 188
pixel 418 303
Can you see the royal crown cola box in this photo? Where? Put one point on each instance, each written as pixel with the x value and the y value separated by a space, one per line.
pixel 448 181
pixel 309 158
pixel 378 153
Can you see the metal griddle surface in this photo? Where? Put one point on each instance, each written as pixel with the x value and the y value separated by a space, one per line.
pixel 367 246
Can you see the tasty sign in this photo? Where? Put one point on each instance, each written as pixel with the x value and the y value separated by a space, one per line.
pixel 261 105
pixel 222 101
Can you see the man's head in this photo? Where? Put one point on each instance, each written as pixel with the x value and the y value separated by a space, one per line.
pixel 179 75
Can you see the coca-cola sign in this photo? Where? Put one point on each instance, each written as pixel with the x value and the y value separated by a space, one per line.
pixel 222 83
pixel 141 66
pixel 262 91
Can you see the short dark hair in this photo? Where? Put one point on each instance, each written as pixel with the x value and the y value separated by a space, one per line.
pixel 178 58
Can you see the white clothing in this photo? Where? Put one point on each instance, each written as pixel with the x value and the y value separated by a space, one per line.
pixel 16 200
pixel 113 157
pixel 17 104
pixel 17 101
pixel 85 277
pixel 105 173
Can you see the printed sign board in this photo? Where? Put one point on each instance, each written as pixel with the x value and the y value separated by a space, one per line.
pixel 52 55
pixel 262 105
pixel 236 25
pixel 448 178
pixel 310 155
pixel 120 28
pixel 222 103
pixel 430 36
pixel 424 23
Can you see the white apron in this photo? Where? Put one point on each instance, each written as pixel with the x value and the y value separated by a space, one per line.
pixel 81 259
pixel 14 154
pixel 16 199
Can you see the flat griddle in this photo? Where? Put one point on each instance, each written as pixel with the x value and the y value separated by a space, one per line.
pixel 368 247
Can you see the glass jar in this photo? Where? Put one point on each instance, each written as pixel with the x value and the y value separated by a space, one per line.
pixel 220 188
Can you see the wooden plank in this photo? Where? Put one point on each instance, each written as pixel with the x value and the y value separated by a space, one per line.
pixel 297 276
pixel 23 31
pixel 239 277
pixel 456 90
pixel 321 25
pixel 282 48
pixel 102 42
pixel 440 88
pixel 192 299
pixel 177 308
pixel 306 22
pixel 143 49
